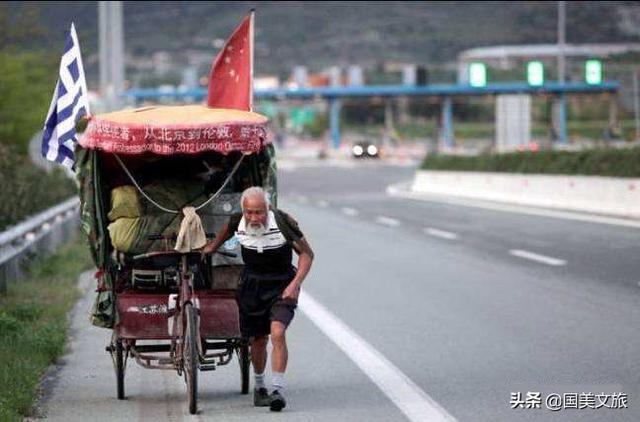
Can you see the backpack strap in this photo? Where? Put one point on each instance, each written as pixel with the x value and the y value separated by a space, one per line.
pixel 283 225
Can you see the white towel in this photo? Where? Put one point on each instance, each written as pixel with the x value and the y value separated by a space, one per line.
pixel 192 235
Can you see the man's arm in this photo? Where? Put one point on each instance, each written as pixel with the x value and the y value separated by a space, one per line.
pixel 223 235
pixel 305 259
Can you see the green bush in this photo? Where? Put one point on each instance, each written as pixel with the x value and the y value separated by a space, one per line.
pixel 33 324
pixel 26 189
pixel 594 162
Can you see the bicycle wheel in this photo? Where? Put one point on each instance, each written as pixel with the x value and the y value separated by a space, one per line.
pixel 245 362
pixel 119 367
pixel 190 357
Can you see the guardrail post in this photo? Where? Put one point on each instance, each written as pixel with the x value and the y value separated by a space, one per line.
pixel 3 279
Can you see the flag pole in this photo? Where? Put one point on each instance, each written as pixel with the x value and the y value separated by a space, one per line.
pixel 251 23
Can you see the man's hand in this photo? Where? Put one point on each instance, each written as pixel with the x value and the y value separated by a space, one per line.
pixel 292 291
pixel 206 250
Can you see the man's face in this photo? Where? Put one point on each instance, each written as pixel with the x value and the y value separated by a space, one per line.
pixel 255 214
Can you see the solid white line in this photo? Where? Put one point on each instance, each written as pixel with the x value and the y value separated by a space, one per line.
pixel 440 233
pixel 404 393
pixel 323 204
pixel 387 221
pixel 402 190
pixel 350 211
pixel 538 258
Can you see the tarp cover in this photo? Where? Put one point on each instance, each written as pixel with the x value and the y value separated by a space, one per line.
pixel 129 233
pixel 98 175
pixel 166 130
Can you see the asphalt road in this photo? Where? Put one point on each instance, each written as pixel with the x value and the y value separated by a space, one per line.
pixel 415 310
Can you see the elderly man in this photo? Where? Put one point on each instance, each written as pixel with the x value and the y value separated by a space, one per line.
pixel 268 292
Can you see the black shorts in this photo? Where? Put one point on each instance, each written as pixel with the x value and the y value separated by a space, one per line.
pixel 260 302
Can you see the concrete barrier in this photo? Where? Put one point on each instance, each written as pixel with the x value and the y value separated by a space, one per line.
pixel 594 194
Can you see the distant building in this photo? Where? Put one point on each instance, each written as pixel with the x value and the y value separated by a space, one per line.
pixel 356 77
pixel 266 82
pixel 300 76
pixel 335 75
pixel 162 63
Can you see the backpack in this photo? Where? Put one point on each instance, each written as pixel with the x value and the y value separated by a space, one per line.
pixel 283 221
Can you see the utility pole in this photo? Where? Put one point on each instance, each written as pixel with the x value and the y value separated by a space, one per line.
pixel 562 32
pixel 636 104
pixel 562 106
pixel 111 45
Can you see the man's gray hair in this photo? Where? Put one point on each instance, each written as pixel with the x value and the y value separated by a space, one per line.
pixel 254 192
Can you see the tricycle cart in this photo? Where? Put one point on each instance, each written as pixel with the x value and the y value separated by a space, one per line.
pixel 138 169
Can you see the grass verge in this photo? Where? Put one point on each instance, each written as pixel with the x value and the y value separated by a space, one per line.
pixel 33 325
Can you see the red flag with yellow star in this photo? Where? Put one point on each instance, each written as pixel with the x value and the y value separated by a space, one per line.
pixel 231 78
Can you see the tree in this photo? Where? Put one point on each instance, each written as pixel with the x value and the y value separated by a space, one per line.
pixel 27 77
pixel 27 81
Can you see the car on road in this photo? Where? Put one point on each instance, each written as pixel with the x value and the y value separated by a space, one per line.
pixel 365 149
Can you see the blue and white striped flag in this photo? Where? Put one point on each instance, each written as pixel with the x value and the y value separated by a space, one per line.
pixel 70 102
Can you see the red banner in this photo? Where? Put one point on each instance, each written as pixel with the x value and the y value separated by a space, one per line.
pixel 166 140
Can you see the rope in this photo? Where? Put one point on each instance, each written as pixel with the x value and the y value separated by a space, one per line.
pixel 204 204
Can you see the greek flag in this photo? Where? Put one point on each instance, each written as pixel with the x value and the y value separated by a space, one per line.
pixel 69 104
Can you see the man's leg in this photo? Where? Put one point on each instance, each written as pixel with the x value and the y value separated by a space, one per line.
pixel 259 361
pixel 259 353
pixel 279 359
pixel 280 354
pixel 281 316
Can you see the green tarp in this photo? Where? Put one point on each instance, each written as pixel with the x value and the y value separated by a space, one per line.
pixel 95 197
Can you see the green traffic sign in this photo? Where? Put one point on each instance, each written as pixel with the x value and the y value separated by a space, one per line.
pixel 593 72
pixel 477 75
pixel 535 73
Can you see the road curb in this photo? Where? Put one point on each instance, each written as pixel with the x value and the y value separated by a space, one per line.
pixel 611 196
pixel 403 190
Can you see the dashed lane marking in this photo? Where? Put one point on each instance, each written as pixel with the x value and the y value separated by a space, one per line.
pixel 387 221
pixel 352 212
pixel 440 233
pixel 537 257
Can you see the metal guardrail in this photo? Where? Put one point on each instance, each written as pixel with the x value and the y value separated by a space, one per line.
pixel 37 236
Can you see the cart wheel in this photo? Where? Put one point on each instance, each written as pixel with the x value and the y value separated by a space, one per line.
pixel 190 358
pixel 245 362
pixel 119 367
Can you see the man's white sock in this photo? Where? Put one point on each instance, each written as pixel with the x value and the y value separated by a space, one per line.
pixel 259 380
pixel 278 381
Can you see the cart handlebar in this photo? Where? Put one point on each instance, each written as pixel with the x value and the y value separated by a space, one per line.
pixel 173 236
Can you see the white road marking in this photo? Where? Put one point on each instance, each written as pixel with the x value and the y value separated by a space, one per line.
pixel 538 258
pixel 303 199
pixel 350 211
pixel 286 165
pixel 402 190
pixel 387 221
pixel 440 233
pixel 404 393
pixel 323 204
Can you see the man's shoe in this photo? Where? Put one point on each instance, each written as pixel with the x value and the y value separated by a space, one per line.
pixel 261 397
pixel 277 401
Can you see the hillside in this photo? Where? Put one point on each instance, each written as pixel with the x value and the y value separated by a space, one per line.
pixel 323 33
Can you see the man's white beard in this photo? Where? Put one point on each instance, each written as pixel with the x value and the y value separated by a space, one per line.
pixel 255 230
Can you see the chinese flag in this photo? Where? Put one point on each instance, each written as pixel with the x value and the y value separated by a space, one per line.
pixel 231 79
